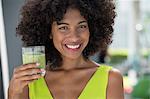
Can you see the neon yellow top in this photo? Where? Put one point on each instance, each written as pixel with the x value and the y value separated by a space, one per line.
pixel 95 88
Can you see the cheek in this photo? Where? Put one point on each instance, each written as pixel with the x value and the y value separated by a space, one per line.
pixel 57 40
pixel 86 36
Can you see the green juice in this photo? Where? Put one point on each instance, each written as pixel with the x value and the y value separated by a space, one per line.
pixel 34 57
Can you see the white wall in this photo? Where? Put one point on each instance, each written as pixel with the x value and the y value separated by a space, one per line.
pixel 3 49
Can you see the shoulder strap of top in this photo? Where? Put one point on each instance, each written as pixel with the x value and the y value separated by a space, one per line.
pixel 38 90
pixel 96 87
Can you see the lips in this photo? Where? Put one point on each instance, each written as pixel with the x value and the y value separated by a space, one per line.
pixel 73 47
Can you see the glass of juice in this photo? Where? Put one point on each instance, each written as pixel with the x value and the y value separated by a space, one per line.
pixel 33 54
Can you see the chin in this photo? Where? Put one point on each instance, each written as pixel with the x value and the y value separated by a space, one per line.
pixel 73 57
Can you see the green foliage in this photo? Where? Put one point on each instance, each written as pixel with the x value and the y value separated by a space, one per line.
pixel 142 89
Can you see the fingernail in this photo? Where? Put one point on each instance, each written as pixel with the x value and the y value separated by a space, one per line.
pixel 37 64
pixel 43 72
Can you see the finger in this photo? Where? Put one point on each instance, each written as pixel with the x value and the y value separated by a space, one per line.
pixel 27 72
pixel 25 83
pixel 30 65
pixel 31 77
pixel 26 66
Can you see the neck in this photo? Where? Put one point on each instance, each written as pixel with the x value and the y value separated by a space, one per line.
pixel 69 64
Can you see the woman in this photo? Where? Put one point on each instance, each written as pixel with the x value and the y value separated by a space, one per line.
pixel 71 31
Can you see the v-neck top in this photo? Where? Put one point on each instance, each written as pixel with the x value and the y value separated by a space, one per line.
pixel 95 87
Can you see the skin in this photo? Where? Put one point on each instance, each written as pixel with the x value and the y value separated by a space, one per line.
pixel 22 76
pixel 68 81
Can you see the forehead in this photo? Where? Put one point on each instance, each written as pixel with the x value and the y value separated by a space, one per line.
pixel 73 14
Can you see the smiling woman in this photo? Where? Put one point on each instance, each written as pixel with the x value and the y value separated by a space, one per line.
pixel 71 31
pixel 70 37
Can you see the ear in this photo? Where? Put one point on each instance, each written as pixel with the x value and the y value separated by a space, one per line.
pixel 50 36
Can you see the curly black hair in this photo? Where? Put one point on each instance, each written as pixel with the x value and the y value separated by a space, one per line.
pixel 37 17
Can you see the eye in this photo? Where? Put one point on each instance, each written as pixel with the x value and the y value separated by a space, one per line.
pixel 83 26
pixel 63 28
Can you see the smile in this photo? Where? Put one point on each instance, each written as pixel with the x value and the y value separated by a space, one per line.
pixel 73 46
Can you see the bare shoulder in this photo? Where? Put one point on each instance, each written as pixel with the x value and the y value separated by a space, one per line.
pixel 115 85
pixel 115 76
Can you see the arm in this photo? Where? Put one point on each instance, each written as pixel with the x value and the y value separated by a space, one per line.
pixel 115 85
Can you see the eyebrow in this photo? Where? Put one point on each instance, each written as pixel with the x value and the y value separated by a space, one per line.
pixel 62 23
pixel 82 22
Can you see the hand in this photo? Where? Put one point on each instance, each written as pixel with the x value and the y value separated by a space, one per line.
pixel 22 76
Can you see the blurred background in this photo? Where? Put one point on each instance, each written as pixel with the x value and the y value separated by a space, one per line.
pixel 129 52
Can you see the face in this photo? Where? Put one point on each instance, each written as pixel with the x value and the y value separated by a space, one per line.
pixel 71 35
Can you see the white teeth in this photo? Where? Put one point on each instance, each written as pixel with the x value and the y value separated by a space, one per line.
pixel 73 46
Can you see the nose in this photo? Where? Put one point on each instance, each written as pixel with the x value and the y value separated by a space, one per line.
pixel 74 36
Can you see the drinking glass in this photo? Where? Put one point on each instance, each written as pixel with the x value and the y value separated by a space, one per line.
pixel 34 54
